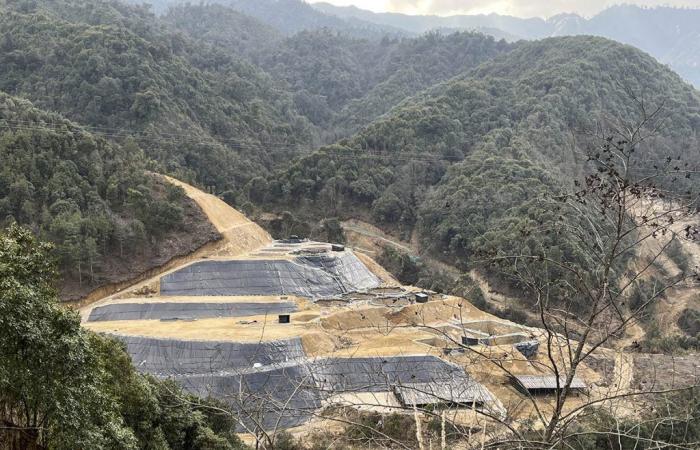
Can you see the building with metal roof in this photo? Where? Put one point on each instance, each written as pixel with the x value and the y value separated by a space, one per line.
pixel 546 384
pixel 464 391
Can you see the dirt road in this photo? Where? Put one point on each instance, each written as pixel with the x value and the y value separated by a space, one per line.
pixel 239 235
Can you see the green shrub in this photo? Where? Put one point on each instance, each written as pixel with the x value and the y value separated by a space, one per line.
pixel 689 321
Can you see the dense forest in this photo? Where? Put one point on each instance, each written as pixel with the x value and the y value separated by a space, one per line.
pixel 224 28
pixel 466 162
pixel 92 198
pixel 287 16
pixel 222 109
pixel 420 132
pixel 65 388
pixel 343 84
pixel 668 33
pixel 339 82
pixel 200 112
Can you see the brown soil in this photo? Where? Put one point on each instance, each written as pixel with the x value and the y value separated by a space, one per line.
pixel 238 329
pixel 240 235
pixel 379 271
pixel 657 371
pixel 237 235
pixel 115 269
pixel 357 328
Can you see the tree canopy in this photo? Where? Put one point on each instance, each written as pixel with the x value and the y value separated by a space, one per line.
pixel 508 131
pixel 62 387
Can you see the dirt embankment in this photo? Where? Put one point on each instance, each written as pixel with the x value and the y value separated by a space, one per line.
pixel 668 261
pixel 119 270
pixel 211 228
pixel 239 234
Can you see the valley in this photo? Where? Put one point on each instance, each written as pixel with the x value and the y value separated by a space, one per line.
pixel 379 329
pixel 275 224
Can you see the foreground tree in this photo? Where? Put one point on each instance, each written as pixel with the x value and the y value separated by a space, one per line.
pixel 62 387
pixel 623 218
pixel 50 395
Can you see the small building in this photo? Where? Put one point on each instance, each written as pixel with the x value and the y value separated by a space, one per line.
pixel 422 297
pixel 546 384
pixel 456 392
pixel 284 318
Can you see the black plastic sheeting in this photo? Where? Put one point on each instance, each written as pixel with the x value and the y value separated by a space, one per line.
pixel 272 383
pixel 529 349
pixel 309 276
pixel 165 311
pixel 279 397
pixel 287 394
pixel 169 357
pixel 379 374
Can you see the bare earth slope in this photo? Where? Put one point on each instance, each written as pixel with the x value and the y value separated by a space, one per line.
pixel 238 235
pixel 370 339
pixel 121 271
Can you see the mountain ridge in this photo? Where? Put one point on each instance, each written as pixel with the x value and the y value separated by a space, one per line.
pixel 645 28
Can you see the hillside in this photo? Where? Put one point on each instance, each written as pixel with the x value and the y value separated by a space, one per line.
pixel 342 83
pixel 522 28
pixel 195 103
pixel 223 27
pixel 288 16
pixel 241 224
pixel 196 111
pixel 339 82
pixel 91 198
pixel 467 162
pixel 669 34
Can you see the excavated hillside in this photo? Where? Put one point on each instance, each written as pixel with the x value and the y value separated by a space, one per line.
pixel 285 332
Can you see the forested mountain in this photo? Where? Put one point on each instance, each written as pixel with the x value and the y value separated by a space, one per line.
pixel 195 103
pixel 468 161
pixel 223 27
pixel 288 16
pixel 342 83
pixel 218 97
pixel 523 28
pixel 412 65
pixel 669 34
pixel 92 198
pixel 199 112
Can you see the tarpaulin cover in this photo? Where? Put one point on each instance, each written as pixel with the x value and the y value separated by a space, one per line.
pixel 286 390
pixel 167 357
pixel 158 311
pixel 278 397
pixel 288 393
pixel 309 276
pixel 528 348
pixel 378 374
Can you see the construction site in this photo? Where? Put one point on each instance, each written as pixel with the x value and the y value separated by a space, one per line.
pixel 286 331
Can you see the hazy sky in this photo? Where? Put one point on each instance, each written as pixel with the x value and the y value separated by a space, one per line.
pixel 521 8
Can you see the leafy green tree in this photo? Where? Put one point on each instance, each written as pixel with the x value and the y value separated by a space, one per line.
pixel 62 387
pixel 51 385
pixel 388 208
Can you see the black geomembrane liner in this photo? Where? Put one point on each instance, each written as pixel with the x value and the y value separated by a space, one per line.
pixel 164 311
